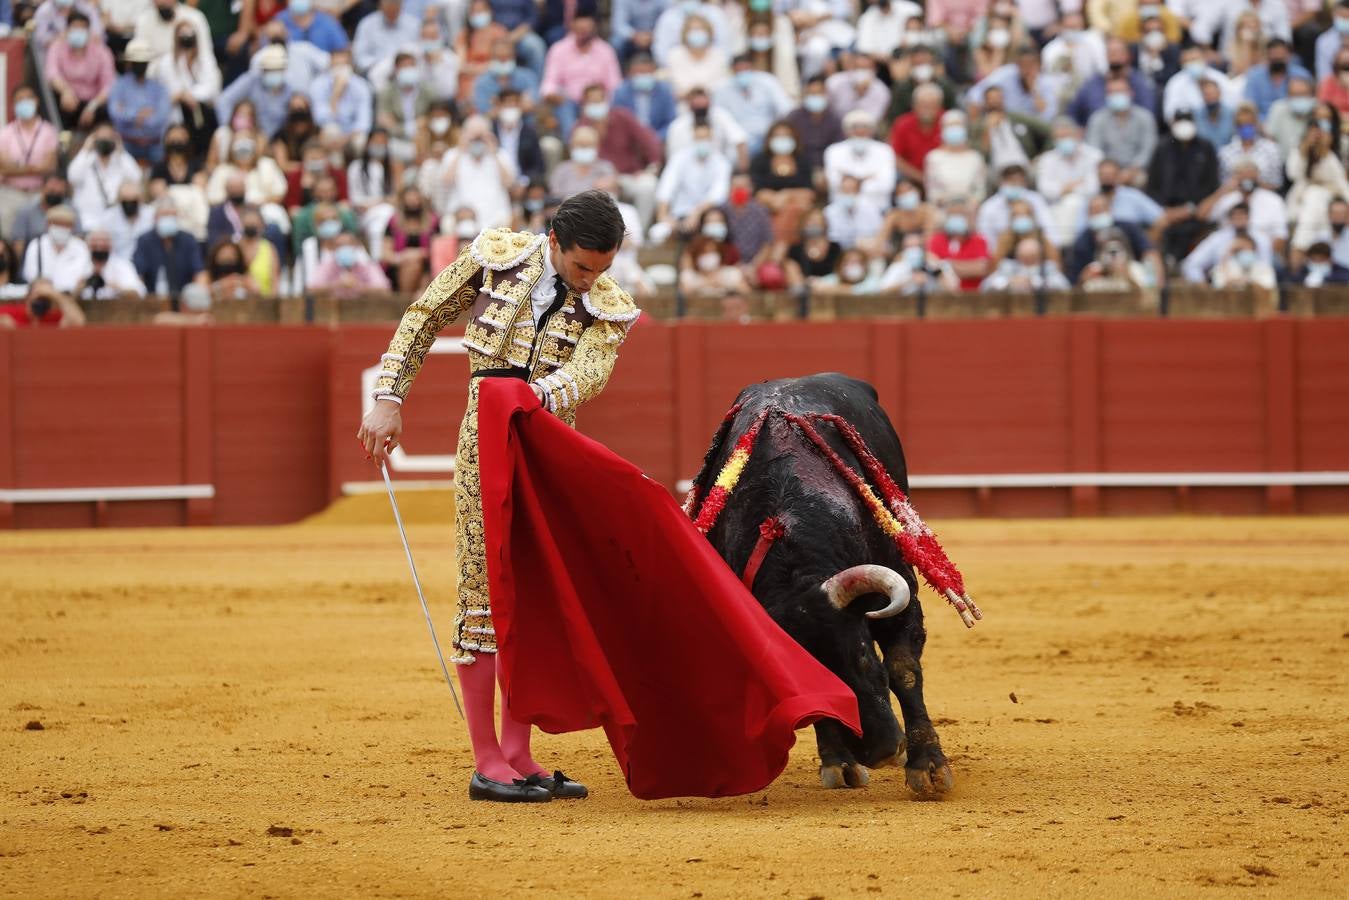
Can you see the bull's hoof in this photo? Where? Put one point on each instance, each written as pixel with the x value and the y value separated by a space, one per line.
pixel 844 775
pixel 931 781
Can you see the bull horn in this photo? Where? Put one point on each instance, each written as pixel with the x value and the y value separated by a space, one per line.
pixel 848 585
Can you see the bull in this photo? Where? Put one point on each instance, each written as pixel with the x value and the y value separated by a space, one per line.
pixel 802 491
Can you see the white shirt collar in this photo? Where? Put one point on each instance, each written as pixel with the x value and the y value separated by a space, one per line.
pixel 549 272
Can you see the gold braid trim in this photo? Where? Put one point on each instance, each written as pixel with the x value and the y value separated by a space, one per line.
pixel 608 302
pixel 447 297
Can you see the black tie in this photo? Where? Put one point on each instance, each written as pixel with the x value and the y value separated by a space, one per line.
pixel 559 297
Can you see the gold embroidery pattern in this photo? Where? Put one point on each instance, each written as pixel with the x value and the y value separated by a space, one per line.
pixel 470 538
pixel 447 297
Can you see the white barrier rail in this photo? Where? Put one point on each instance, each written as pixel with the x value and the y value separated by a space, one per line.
pixel 109 494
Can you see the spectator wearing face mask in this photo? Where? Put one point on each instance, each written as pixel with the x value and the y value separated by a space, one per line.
pixel 264 182
pixel 521 21
pixel 327 224
pixel 917 133
pixel 816 126
pixel 630 148
pixel 158 25
pixel 11 275
pixel 770 47
pixel 1026 88
pixel 1316 176
pixel 1269 81
pixel 1288 118
pixel 1026 270
pixel 1183 173
pixel 98 171
pixel 323 195
pixel 43 306
pixel 192 80
pixel 1092 95
pixel 672 23
pixel 407 243
pixel 58 255
pixel 754 99
pixel 111 276
pixel 51 19
pixel 313 26
pixel 1242 267
pixel 750 222
pixel 880 28
pixel 997 47
pixel 1250 145
pixel 267 90
pixel 1184 92
pixel 851 218
pixel 437 63
pixel 995 213
pixel 814 256
pixel 580 59
pixel 1127 20
pixel 857 87
pixel 954 169
pixel 648 98
pixel 139 107
pixel 697 62
pixel 1006 138
pixel 478 176
pixel 1066 176
pixel 1022 224
pixel 382 34
pixel 957 251
pixel 405 102
pixel 861 156
pixel 1334 233
pixel 1127 203
pixel 912 69
pixel 167 259
pixel 1124 132
pixel 1332 39
pixel 28 147
pixel 1075 50
pixel 125 221
pixel 1084 257
pixel 518 137
pixel 782 180
pixel 81 71
pixel 31 221
pixel 632 25
pixel 910 214
pixel 342 99
pixel 227 273
pixel 1320 269
pixel 853 275
pixel 709 264
pixel 304 62
pixel 503 74
pixel 1196 267
pixel 909 272
pixel 1158 56
pixel 694 180
pixel 584 168
pixel 347 270
pixel 730 139
pixel 1334 88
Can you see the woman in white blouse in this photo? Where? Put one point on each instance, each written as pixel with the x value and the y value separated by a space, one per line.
pixel 193 82
pixel 954 169
pixel 372 180
pixel 478 175
pixel 696 62
pixel 263 181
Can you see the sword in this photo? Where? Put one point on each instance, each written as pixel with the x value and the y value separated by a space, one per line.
pixel 426 611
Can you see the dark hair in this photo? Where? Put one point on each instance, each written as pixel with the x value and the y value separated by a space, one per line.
pixel 640 57
pixel 589 220
pixel 77 16
pixel 1320 248
pixel 746 58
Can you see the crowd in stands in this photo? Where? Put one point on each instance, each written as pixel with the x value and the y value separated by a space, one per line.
pixel 254 148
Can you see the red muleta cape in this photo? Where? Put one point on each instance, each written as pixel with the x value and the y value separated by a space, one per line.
pixel 612 610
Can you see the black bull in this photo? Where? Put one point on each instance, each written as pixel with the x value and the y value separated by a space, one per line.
pixel 827 531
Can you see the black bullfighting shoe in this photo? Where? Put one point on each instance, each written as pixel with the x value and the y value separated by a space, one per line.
pixel 522 790
pixel 560 786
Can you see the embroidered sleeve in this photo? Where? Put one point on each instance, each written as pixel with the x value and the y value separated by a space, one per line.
pixel 448 296
pixel 587 372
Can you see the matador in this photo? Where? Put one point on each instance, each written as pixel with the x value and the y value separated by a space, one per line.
pixel 540 308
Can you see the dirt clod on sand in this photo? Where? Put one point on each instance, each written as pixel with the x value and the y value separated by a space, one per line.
pixel 255 687
pixel 34 725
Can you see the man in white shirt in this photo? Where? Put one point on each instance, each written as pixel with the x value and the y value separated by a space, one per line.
pixel 1211 250
pixel 669 29
pixel 1076 50
pixel 124 222
pixel 695 179
pixel 111 275
pixel 158 24
pixel 1183 91
pixel 58 255
pixel 383 34
pixel 852 218
pixel 730 139
pixel 1066 176
pixel 861 156
pixel 880 29
pixel 1268 212
pixel 97 172
pixel 995 213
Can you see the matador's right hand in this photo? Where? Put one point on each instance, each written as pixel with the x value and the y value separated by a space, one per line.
pixel 380 430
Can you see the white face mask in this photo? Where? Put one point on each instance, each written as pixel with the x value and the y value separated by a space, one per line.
pixel 853 273
pixel 709 262
pixel 1184 130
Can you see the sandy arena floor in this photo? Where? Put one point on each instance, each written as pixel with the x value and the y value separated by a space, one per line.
pixel 1150 707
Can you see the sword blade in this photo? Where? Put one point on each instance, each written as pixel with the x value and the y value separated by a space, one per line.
pixel 426 610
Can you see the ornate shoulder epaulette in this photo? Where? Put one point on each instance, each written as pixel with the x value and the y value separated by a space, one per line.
pixel 499 249
pixel 609 302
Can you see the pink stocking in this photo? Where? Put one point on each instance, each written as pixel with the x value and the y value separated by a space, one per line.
pixel 479 683
pixel 515 742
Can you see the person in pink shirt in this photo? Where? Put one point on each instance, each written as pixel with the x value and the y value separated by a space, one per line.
pixel 27 155
pixel 81 70
pixel 955 17
pixel 348 271
pixel 574 63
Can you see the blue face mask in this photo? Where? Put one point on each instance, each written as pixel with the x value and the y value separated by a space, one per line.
pixel 909 201
pixel 329 229
pixel 78 37
pixel 501 67
pixel 1245 258
pixel 25 109
pixel 1118 102
pixel 480 19
pixel 1013 191
pixel 957 224
pixel 1023 225
pixel 954 135
pixel 345 256
pixel 744 78
pixel 1302 105
pixel 1101 221
pixel 1342 24
pixel 167 226
pixel 914 257
pixel 1066 145
pixel 815 103
pixel 1246 132
pixel 643 83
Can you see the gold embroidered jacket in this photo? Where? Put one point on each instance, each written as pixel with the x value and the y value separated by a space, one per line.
pixel 493 279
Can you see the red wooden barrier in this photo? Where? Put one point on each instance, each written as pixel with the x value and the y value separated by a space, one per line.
pixel 268 414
